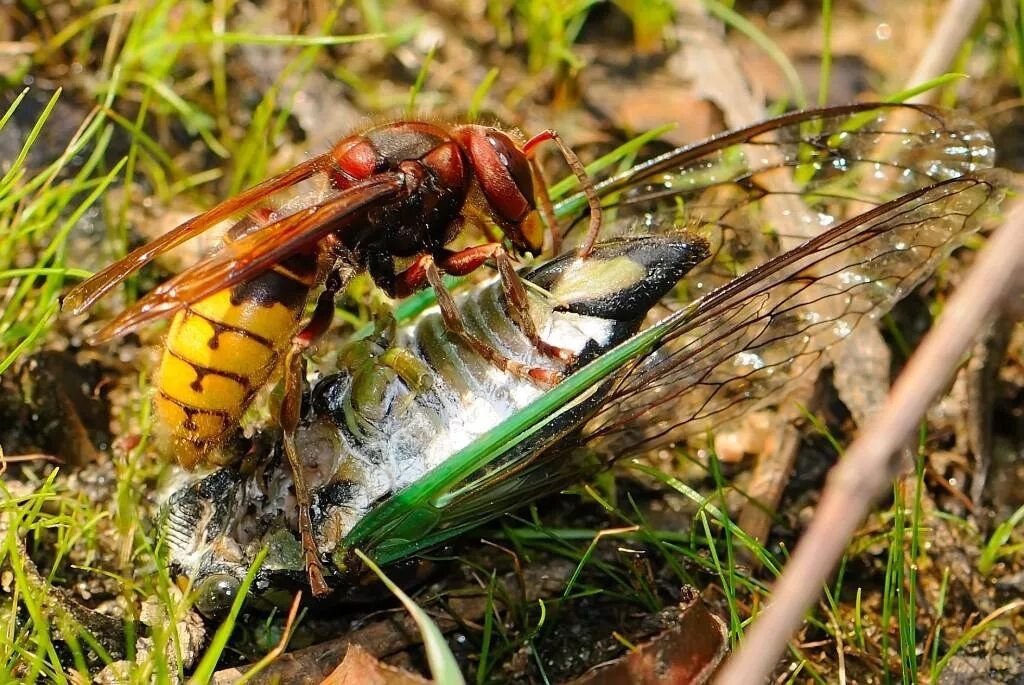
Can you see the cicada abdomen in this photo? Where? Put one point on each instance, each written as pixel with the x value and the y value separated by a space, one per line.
pixel 220 351
pixel 403 402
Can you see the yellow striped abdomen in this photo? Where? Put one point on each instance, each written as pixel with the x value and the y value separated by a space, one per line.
pixel 219 352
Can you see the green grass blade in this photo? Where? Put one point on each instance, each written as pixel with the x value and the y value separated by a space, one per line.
pixel 208 664
pixel 931 84
pixel 563 209
pixel 825 76
pixel 421 78
pixel 995 547
pixel 737 21
pixel 481 92
pixel 30 140
pixel 443 666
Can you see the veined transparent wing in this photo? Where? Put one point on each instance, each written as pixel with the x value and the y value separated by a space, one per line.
pixel 753 193
pixel 742 344
pixel 759 191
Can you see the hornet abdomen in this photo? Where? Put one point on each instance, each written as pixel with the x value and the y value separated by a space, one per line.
pixel 219 352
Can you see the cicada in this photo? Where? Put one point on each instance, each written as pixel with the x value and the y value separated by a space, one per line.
pixel 403 400
pixel 808 226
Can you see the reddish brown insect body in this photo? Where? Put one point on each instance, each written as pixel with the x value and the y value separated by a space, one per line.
pixel 436 169
pixel 400 191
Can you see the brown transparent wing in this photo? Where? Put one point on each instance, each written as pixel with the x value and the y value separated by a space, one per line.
pixel 254 253
pixel 744 343
pixel 82 296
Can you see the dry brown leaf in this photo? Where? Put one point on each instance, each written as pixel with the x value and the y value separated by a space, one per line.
pixel 359 667
pixel 687 653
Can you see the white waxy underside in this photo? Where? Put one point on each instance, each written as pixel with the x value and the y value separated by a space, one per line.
pixel 418 432
pixel 479 414
pixel 454 420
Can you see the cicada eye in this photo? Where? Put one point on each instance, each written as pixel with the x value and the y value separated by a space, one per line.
pixel 216 593
pixel 514 161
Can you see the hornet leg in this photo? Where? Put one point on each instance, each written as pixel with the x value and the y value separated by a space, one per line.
pixel 465 261
pixel 519 308
pixel 291 405
pixel 425 271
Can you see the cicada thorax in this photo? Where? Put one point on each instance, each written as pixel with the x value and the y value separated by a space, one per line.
pixel 220 351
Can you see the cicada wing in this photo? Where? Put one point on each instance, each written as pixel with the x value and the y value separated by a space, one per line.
pixel 754 194
pixel 536 475
pixel 734 349
pixel 742 345
pixel 762 190
pixel 898 141
pixel 523 476
pixel 833 150
pixel 524 473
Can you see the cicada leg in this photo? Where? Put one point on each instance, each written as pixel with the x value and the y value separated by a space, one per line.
pixel 291 406
pixel 374 366
pixel 413 371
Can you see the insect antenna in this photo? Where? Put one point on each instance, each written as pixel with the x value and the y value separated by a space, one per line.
pixel 593 200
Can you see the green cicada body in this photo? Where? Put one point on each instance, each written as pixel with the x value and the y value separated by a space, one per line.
pixel 797 231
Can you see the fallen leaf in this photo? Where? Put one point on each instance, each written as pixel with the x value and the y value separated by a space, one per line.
pixel 359 667
pixel 686 653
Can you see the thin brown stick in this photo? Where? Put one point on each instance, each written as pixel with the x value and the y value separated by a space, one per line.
pixel 6 459
pixel 867 469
